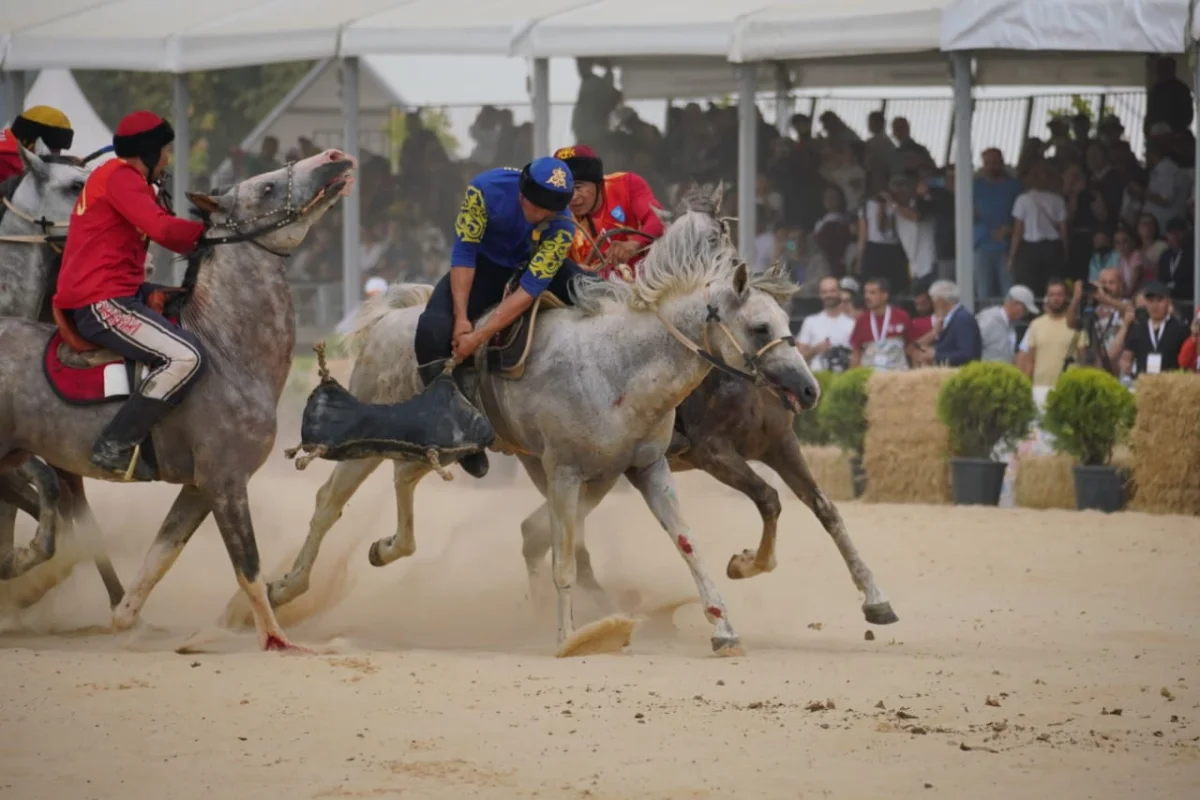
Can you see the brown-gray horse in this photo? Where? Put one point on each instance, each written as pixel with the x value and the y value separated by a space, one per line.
pixel 241 310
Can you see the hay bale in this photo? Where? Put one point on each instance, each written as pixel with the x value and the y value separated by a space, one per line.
pixel 1044 481
pixel 907 450
pixel 1166 444
pixel 830 468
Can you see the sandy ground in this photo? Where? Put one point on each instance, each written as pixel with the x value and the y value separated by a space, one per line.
pixel 1039 655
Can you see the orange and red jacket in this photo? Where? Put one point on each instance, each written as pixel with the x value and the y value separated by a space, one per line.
pixel 626 201
pixel 115 218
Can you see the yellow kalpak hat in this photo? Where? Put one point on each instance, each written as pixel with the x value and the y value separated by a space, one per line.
pixel 45 123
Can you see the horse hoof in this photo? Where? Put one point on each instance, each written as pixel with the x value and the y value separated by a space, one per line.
pixel 727 646
pixel 374 557
pixel 880 614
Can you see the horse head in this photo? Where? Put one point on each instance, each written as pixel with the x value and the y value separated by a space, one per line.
pixel 276 209
pixel 753 328
pixel 45 194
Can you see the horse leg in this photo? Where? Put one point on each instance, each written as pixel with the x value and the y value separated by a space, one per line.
pixel 85 525
pixel 187 512
pixel 331 499
pixel 45 542
pixel 724 464
pixel 537 538
pixel 231 510
pixel 403 542
pixel 658 490
pixel 786 459
pixel 8 526
pixel 563 492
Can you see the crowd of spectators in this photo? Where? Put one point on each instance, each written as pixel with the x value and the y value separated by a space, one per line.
pixel 1077 206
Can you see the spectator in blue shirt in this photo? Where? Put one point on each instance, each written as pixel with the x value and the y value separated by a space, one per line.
pixel 995 192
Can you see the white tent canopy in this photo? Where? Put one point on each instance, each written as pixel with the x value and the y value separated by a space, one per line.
pixel 1048 26
pixel 449 27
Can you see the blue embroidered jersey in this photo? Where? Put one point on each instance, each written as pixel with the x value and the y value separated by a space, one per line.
pixel 490 224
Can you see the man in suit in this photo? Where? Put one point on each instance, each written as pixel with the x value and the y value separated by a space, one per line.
pixel 957 340
pixel 1175 264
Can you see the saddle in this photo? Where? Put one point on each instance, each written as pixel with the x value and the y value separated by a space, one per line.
pixel 82 373
pixel 509 349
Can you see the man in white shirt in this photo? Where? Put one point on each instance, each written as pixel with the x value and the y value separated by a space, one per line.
pixel 827 329
pixel 996 324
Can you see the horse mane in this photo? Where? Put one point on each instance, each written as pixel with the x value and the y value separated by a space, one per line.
pixel 692 253
pixel 776 282
pixel 398 295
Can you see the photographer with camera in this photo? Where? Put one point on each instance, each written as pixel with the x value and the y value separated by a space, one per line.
pixel 1098 309
pixel 824 338
pixel 1155 338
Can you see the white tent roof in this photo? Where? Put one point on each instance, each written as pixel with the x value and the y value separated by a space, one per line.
pixel 57 87
pixel 1088 26
pixel 811 29
pixel 615 28
pixel 449 27
pixel 153 35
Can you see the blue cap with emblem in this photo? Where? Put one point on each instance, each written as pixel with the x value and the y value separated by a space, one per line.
pixel 547 183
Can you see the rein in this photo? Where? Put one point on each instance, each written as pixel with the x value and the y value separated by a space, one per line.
pixel 752 359
pixel 54 241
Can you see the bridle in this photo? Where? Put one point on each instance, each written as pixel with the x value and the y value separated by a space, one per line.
pixel 751 359
pixel 52 240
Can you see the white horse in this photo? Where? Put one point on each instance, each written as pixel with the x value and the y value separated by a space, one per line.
pixel 596 400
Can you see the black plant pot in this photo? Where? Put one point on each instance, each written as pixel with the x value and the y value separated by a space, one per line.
pixel 977 481
pixel 1099 488
pixel 858 476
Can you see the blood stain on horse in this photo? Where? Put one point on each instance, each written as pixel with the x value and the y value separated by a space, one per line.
pixel 714 612
pixel 620 399
pixel 684 544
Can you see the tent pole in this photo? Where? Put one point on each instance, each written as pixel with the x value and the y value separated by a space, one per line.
pixel 747 159
pixel 183 147
pixel 783 98
pixel 351 273
pixel 541 107
pixel 964 183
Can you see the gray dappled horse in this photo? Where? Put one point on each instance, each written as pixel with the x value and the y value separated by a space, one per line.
pixel 596 400
pixel 33 219
pixel 241 309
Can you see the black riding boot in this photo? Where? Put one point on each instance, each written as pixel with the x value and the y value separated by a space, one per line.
pixel 475 464
pixel 114 450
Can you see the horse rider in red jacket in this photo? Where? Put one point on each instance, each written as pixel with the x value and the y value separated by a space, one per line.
pixel 102 288
pixel 604 202
pixel 38 125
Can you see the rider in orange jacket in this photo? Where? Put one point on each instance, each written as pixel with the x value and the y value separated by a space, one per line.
pixel 603 203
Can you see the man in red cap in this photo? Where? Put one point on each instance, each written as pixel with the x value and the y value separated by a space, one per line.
pixel 102 289
pixel 604 202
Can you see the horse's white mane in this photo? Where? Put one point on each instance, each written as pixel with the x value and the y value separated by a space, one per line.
pixel 692 252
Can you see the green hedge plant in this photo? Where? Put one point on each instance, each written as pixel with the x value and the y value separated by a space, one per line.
pixel 843 411
pixel 807 425
pixel 1088 411
pixel 983 404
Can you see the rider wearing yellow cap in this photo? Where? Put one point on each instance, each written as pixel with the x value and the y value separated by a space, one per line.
pixel 38 124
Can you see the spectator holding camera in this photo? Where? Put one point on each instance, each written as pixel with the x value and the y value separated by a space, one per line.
pixel 1103 302
pixel 828 331
pixel 1155 338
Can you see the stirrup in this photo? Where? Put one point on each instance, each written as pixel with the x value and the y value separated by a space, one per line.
pixel 127 476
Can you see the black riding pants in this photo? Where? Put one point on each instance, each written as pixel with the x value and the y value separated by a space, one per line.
pixel 435 328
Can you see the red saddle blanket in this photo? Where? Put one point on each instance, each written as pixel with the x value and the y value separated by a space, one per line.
pixel 86 385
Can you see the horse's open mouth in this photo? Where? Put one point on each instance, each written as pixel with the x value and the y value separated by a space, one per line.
pixel 791 400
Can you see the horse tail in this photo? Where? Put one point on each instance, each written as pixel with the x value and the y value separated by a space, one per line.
pixel 398 295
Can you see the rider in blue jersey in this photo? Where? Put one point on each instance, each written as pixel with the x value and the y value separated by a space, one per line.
pixel 513 228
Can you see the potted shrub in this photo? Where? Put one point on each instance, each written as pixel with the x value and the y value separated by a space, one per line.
pixel 807 426
pixel 1087 412
pixel 984 404
pixel 843 415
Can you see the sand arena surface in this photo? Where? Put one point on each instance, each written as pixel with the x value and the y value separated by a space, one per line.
pixel 1038 655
